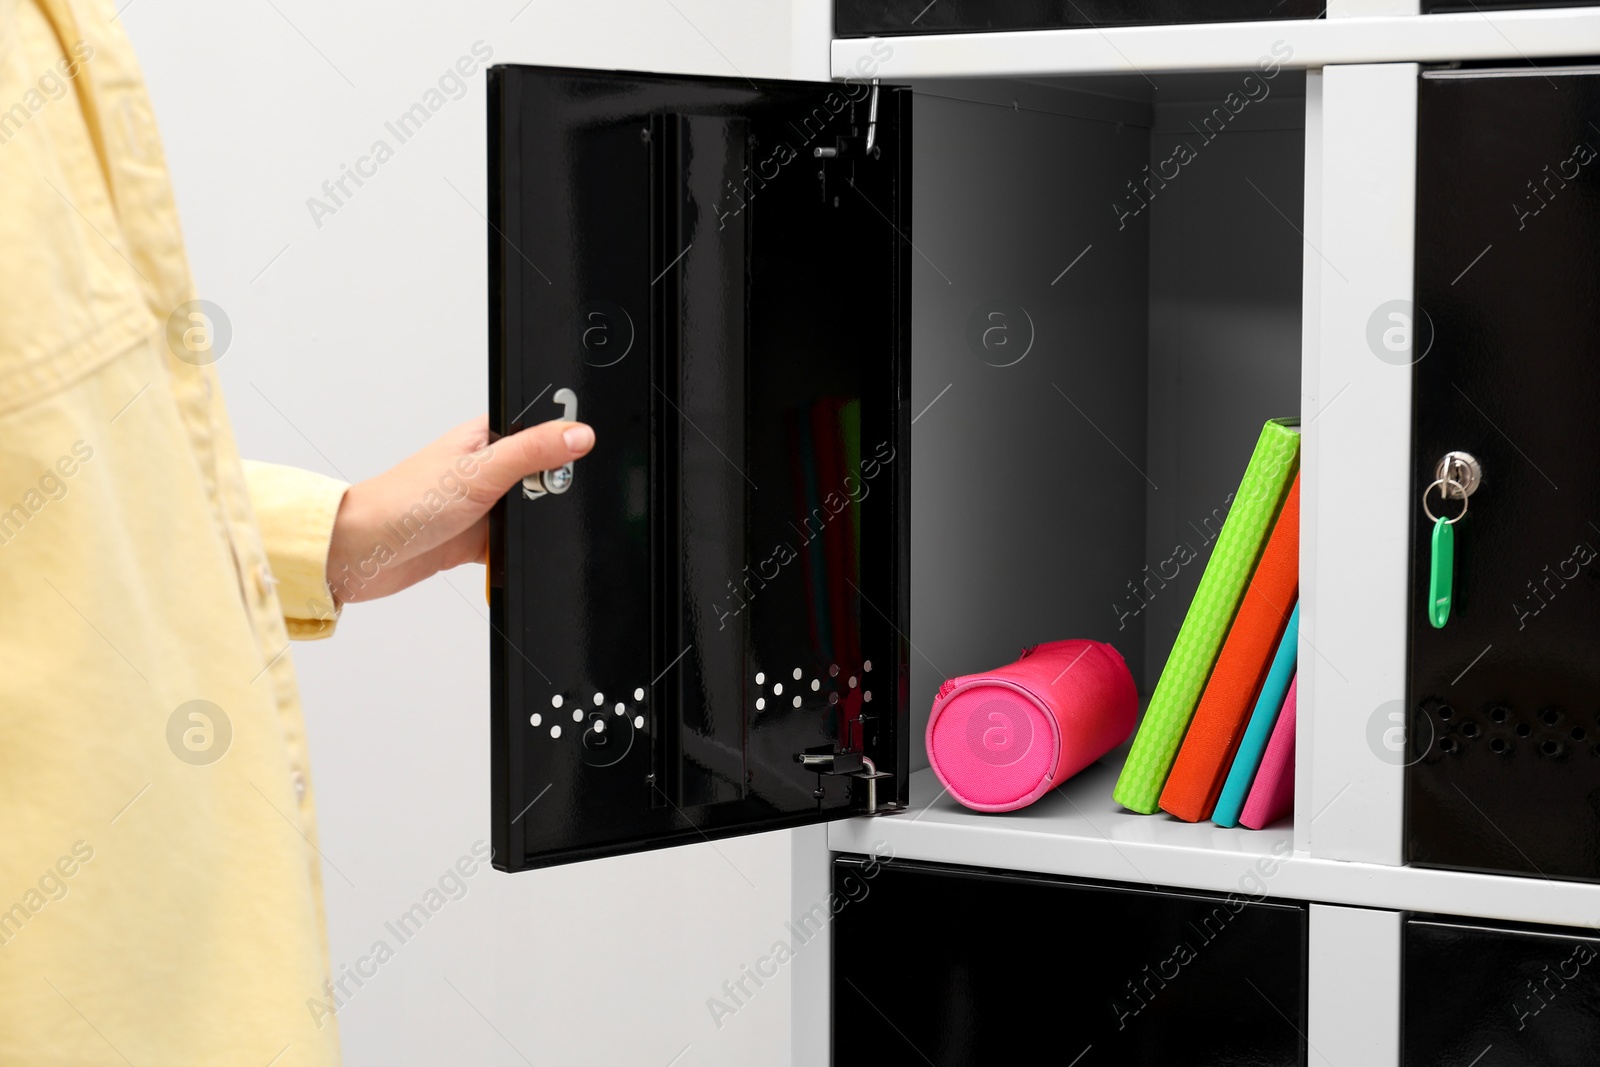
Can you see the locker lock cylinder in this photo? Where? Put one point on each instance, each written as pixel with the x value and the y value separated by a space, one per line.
pixel 1459 474
pixel 850 765
pixel 558 481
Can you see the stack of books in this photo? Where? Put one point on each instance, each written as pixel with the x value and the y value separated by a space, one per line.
pixel 1217 741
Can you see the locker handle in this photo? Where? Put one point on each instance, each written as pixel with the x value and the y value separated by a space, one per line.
pixel 557 481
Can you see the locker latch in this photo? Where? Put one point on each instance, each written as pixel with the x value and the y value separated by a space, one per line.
pixel 850 765
pixel 554 482
pixel 855 147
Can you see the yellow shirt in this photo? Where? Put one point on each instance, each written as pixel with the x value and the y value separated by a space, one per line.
pixel 160 887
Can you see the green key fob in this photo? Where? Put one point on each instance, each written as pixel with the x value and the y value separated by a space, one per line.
pixel 1441 573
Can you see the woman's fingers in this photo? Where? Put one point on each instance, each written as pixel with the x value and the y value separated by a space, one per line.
pixel 545 447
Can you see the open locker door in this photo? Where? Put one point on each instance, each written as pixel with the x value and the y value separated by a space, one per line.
pixel 698 630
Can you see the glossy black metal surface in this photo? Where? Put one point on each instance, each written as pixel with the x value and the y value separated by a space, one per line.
pixel 1499 996
pixel 874 18
pixel 1439 7
pixel 1505 698
pixel 954 966
pixel 732 313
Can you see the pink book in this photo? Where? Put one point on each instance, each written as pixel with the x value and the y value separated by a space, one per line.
pixel 1272 793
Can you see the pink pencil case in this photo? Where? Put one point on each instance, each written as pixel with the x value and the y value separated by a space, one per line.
pixel 1000 740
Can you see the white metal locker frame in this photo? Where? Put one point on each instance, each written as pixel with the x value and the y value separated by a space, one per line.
pixel 1230 45
pixel 1345 853
pixel 1356 425
pixel 1353 987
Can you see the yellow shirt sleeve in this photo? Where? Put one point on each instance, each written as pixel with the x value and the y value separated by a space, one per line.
pixel 295 510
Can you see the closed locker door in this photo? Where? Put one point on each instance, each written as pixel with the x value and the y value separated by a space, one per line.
pixel 955 965
pixel 1495 995
pixel 1504 696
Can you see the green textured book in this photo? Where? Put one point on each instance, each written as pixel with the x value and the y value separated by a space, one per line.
pixel 1249 523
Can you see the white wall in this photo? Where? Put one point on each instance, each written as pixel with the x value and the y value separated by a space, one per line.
pixel 357 341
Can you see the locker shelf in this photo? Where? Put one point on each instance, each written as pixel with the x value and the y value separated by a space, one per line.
pixel 1079 830
pixel 1314 43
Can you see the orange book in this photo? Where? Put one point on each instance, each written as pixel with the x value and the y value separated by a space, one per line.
pixel 1219 722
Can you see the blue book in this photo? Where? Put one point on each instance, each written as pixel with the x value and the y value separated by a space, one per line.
pixel 1254 742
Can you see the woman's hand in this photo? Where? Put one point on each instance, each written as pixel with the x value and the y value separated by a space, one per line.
pixel 429 512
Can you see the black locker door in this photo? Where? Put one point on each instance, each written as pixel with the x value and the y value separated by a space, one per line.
pixel 1505 696
pixel 714 272
pixel 1499 995
pixel 957 966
